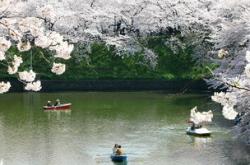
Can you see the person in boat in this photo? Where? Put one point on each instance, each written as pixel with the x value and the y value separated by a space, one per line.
pixel 115 148
pixel 49 104
pixel 57 102
pixel 194 126
pixel 119 150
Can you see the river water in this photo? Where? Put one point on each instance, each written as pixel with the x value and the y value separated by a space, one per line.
pixel 149 125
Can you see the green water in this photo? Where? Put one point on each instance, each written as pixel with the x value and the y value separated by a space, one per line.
pixel 149 125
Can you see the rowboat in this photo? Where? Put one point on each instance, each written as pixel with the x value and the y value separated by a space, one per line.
pixel 118 158
pixel 58 107
pixel 198 131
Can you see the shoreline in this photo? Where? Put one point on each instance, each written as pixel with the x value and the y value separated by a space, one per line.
pixel 178 86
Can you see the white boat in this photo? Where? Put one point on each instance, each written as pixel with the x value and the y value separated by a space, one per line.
pixel 198 131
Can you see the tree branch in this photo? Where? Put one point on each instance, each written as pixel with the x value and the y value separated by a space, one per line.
pixel 226 82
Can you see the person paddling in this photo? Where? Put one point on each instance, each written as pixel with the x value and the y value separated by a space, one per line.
pixel 49 104
pixel 57 102
pixel 115 148
pixel 119 150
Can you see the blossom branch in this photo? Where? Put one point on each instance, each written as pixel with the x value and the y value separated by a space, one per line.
pixel 226 82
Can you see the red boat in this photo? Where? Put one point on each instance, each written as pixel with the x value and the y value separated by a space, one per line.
pixel 58 107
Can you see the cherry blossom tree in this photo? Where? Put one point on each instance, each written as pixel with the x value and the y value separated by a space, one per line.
pixel 230 37
pixel 25 32
pixel 28 24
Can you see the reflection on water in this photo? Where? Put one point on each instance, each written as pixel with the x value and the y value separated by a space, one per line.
pixel 200 142
pixel 150 126
pixel 57 114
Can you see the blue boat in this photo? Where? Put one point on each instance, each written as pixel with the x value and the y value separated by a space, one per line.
pixel 118 158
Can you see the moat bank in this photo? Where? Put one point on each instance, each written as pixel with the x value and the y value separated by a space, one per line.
pixel 117 85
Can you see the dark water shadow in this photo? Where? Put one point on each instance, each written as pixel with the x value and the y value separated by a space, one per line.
pixel 121 163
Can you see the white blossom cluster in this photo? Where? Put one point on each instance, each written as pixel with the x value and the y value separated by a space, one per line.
pixel 33 86
pixel 4 46
pixel 25 33
pixel 58 68
pixel 228 101
pixel 222 53
pixel 200 117
pixel 4 87
pixel 14 65
pixel 28 76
